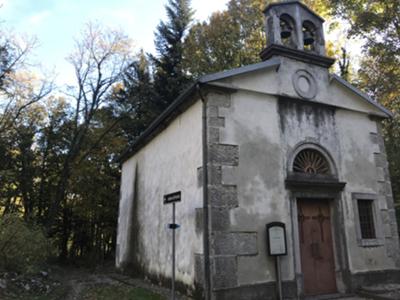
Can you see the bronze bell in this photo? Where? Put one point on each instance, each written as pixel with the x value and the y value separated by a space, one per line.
pixel 286 31
pixel 308 38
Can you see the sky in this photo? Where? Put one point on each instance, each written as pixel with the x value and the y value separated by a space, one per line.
pixel 56 23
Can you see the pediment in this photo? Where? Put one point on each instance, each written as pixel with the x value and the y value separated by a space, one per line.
pixel 290 79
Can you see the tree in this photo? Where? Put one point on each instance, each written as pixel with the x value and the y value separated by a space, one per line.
pixel 135 100
pixel 170 78
pixel 378 23
pixel 52 142
pixel 344 65
pixel 57 155
pixel 229 39
pixel 13 55
pixel 19 87
pixel 99 60
pixel 232 38
pixel 94 195
pixel 21 116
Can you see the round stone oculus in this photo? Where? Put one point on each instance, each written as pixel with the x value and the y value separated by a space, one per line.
pixel 304 84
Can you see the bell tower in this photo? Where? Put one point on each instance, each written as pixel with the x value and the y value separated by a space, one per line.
pixel 295 31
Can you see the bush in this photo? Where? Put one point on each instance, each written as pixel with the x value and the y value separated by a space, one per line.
pixel 23 247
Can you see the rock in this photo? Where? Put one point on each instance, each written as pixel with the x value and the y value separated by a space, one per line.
pixel 3 284
pixel 44 274
pixel 381 288
pixel 27 287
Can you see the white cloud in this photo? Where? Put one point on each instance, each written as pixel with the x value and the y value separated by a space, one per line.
pixel 38 18
pixel 204 8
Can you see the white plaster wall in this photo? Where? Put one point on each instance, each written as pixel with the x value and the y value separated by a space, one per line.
pixel 252 123
pixel 127 192
pixel 168 164
pixel 358 169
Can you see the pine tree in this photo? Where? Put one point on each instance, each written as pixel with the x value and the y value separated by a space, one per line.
pixel 170 78
pixel 136 103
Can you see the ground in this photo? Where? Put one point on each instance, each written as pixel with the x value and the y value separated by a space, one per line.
pixel 105 283
pixel 73 283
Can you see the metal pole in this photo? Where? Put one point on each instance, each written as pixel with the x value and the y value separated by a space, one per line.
pixel 278 277
pixel 173 252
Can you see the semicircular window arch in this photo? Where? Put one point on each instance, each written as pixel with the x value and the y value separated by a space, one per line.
pixel 311 161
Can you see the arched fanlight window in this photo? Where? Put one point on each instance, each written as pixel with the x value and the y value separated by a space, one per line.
pixel 311 161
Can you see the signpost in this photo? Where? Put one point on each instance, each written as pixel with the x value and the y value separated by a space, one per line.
pixel 276 237
pixel 168 199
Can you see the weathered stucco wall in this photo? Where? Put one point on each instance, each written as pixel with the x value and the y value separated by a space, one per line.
pixel 125 216
pixel 265 130
pixel 359 169
pixel 253 133
pixel 167 164
pixel 251 122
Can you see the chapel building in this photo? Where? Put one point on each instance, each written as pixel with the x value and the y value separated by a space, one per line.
pixel 283 141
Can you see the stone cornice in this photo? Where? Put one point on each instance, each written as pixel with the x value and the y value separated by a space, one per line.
pixel 307 57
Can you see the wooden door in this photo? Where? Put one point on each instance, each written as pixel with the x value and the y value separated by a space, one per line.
pixel 316 247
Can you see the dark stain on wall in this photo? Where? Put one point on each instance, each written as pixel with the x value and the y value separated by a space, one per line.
pixel 313 113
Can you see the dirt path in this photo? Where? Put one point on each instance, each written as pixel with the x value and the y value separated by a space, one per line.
pixel 78 280
pixel 78 285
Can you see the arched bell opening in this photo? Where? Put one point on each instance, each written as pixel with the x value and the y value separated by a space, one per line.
pixel 310 36
pixel 287 31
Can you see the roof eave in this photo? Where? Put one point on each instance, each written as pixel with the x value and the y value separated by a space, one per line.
pixel 204 80
pixel 156 123
pixel 271 63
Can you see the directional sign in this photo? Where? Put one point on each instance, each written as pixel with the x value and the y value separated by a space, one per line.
pixel 173 197
pixel 173 226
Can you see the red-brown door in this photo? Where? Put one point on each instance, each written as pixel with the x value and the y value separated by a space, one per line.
pixel 316 247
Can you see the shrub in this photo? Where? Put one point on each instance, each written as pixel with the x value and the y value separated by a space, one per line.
pixel 23 247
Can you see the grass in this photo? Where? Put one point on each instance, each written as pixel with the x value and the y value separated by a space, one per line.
pixel 57 294
pixel 118 292
pixel 95 292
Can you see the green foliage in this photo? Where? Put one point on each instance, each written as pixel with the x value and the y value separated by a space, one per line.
pixel 377 20
pixel 57 156
pixel 23 247
pixel 135 100
pixel 170 78
pixel 233 38
pixel 122 292
pixel 378 23
pixel 230 39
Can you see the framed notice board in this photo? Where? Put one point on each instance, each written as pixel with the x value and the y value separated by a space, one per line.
pixel 276 239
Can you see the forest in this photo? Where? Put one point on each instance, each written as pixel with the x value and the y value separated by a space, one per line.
pixel 59 145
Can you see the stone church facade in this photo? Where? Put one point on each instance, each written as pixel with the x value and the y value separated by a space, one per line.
pixel 282 140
